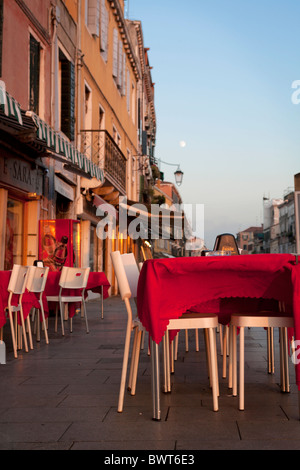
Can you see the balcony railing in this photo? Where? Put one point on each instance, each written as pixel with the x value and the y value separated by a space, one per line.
pixel 99 146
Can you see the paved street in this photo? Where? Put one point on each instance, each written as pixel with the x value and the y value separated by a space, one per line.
pixel 63 396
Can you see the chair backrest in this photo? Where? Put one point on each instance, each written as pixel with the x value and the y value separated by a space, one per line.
pixel 18 279
pixel 119 262
pixel 132 272
pixel 36 279
pixel 74 278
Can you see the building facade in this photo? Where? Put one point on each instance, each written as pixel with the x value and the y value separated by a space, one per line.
pixel 77 123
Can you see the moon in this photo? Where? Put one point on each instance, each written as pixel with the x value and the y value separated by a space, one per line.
pixel 182 143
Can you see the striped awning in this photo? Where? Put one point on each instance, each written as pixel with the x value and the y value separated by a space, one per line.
pixel 61 146
pixel 8 105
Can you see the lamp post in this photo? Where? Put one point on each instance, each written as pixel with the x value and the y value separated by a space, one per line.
pixel 178 173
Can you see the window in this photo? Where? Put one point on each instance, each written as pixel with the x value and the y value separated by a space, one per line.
pixel 34 75
pixel 67 96
pixel 116 137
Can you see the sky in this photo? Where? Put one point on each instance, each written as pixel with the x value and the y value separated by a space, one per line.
pixel 223 73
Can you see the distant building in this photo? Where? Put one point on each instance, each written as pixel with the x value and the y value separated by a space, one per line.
pixel 271 225
pixel 287 234
pixel 250 241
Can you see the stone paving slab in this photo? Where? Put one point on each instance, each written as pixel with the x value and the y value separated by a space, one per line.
pixel 63 396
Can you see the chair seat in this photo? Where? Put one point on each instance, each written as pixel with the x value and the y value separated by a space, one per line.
pixel 193 320
pixel 263 319
pixel 52 298
pixel 71 298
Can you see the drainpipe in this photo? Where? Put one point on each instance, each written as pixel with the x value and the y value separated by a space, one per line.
pixel 78 90
pixel 55 18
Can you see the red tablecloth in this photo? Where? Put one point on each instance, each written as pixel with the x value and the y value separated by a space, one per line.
pixel 169 287
pixel 95 281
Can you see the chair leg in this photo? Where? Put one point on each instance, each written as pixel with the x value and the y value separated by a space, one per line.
pixel 197 339
pixel 13 336
pixel 61 309
pixel 186 340
pixel 225 352
pixel 234 361
pixel 230 365
pixel 214 372
pixel 86 319
pixel 166 358
pixel 124 368
pixel 44 322
pixel 29 332
pixel 242 369
pixel 270 340
pixel 136 362
pixel 23 329
pixel 134 345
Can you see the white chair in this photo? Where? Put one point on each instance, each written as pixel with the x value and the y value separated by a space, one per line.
pixel 262 320
pixel 73 279
pixel 36 282
pixel 188 321
pixel 16 286
pixel 127 274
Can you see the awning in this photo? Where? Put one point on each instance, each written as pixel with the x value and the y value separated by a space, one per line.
pixel 60 146
pixel 161 222
pixel 8 105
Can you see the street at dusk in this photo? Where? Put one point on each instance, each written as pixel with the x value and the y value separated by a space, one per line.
pixel 149 227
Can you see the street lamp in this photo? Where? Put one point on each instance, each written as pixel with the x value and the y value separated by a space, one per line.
pixel 178 173
pixel 178 176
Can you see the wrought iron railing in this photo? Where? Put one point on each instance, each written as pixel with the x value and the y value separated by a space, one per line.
pixel 99 146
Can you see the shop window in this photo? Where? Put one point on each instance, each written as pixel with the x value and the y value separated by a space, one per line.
pixel 14 234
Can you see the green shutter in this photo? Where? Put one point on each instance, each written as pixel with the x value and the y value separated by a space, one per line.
pixel 68 99
pixel 34 75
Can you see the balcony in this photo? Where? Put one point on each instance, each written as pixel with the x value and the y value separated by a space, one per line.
pixel 99 147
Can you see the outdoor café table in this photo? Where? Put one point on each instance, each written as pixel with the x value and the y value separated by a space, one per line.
pixel 29 300
pixel 223 285
pixel 97 283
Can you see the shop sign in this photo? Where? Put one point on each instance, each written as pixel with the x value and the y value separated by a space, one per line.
pixel 20 174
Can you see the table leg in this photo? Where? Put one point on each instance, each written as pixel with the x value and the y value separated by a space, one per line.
pixel 155 378
pixel 102 314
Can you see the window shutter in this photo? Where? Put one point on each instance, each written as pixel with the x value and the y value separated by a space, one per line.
pixel 68 99
pixel 94 16
pixel 128 91
pixel 34 75
pixel 115 53
pixel 104 31
pixel 120 65
pixel 124 75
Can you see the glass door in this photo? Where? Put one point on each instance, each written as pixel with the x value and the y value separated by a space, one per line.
pixel 14 233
